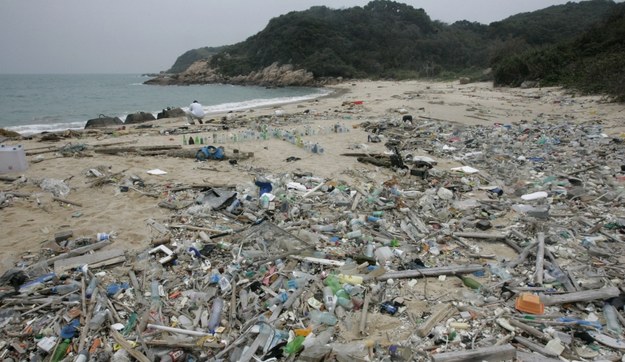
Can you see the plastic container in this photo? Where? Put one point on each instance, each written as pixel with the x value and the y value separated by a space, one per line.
pixel 529 303
pixel 83 356
pixel 93 283
pixel 12 159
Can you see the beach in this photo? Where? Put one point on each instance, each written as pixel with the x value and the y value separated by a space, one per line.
pixel 30 222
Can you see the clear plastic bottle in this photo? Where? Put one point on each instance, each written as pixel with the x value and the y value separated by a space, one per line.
pixel 98 320
pixel 91 287
pixel 66 288
pixel 611 318
pixel 328 299
pixel 327 318
pixel 215 317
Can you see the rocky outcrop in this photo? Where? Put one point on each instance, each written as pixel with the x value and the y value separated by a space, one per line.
pixel 139 117
pixel 103 121
pixel 170 113
pixel 274 75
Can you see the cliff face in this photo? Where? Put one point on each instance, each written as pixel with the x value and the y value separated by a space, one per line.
pixel 274 75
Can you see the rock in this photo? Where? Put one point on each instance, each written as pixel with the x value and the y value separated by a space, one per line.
pixel 170 113
pixel 139 117
pixel 464 80
pixel 445 194
pixel 103 121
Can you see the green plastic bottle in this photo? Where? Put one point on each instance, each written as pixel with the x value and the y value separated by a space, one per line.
pixel 333 282
pixel 61 350
pixel 470 282
pixel 295 345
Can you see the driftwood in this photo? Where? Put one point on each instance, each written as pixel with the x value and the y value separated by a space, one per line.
pixel 67 201
pixel 540 258
pixel 498 353
pixel 444 311
pixel 136 149
pixel 432 272
pixel 583 296
pixel 375 161
pixel 480 235
pixel 534 347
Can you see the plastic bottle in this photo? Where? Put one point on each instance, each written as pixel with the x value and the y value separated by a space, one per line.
pixel 350 279
pixel 295 345
pixel 278 299
pixel 328 299
pixel 352 290
pixel 61 350
pixel 36 283
pixel 98 319
pixel 155 297
pixel 177 355
pixel 93 283
pixel 233 206
pixel 354 234
pixel 296 283
pixel 83 356
pixel 332 282
pixel 499 271
pixel 66 288
pixel 323 228
pixel 470 282
pixel 215 317
pixel 327 318
pixel 611 318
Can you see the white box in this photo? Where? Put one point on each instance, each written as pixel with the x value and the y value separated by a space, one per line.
pixel 12 159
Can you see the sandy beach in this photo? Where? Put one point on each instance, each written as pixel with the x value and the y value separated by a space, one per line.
pixel 28 222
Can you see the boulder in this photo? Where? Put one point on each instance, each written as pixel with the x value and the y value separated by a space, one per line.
pixel 103 121
pixel 464 80
pixel 139 117
pixel 171 113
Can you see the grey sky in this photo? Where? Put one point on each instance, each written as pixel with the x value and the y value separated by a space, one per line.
pixel 139 36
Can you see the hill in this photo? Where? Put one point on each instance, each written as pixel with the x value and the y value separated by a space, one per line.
pixel 390 40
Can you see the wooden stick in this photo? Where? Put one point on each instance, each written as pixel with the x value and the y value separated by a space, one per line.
pixel 521 258
pixel 529 330
pixel 535 347
pixel 540 258
pixel 125 345
pixel 496 353
pixel 363 315
pixel 480 235
pixel 67 201
pixel 431 272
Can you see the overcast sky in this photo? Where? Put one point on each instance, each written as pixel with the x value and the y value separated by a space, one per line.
pixel 140 36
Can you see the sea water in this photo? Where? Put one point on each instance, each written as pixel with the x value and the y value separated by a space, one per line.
pixel 32 103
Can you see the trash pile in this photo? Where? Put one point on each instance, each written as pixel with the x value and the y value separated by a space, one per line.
pixel 488 243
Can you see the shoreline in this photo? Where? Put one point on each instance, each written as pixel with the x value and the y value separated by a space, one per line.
pixel 34 219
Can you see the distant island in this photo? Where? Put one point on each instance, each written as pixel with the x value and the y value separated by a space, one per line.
pixel 577 45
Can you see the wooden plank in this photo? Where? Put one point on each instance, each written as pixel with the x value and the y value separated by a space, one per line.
pixel 540 258
pixel 98 257
pixel 494 354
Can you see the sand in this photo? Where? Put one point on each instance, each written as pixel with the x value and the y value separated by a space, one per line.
pixel 28 222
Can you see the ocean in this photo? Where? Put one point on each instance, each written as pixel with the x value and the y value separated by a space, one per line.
pixel 33 103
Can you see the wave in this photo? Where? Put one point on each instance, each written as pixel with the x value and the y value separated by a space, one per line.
pixel 30 129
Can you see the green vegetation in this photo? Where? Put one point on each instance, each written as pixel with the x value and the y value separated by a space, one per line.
pixel 577 44
pixel 189 57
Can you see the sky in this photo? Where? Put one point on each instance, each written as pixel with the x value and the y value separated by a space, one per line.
pixel 146 36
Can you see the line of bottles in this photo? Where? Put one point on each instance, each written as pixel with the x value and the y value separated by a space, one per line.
pixel 264 133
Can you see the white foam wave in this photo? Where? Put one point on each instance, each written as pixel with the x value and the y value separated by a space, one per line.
pixel 26 130
pixel 30 129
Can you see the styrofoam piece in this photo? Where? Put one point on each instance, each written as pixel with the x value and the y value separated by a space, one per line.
pixel 12 159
